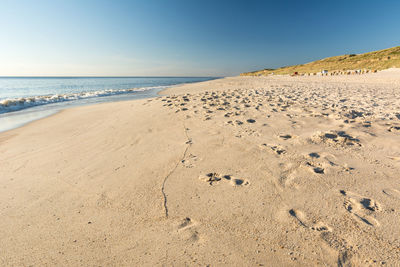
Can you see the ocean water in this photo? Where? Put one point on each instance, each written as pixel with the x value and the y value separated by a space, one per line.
pixel 24 99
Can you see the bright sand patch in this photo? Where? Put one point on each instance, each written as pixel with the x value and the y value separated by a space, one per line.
pixel 239 171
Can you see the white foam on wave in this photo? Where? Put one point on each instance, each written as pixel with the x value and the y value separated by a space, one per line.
pixel 14 104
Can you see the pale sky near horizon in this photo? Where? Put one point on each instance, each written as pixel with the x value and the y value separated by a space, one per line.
pixel 185 38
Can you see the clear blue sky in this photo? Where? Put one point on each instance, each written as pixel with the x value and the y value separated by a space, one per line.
pixel 186 37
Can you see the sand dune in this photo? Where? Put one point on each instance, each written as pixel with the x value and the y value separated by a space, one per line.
pixel 241 171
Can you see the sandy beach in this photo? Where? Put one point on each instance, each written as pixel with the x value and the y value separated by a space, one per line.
pixel 240 171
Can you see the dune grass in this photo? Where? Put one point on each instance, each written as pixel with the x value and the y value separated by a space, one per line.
pixel 377 60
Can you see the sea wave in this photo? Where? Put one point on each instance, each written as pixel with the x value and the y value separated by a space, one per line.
pixel 14 104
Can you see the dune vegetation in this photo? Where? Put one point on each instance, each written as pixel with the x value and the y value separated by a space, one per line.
pixel 376 60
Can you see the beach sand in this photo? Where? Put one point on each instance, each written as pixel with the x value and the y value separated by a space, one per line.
pixel 241 171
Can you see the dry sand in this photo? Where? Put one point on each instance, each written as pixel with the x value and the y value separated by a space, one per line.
pixel 242 171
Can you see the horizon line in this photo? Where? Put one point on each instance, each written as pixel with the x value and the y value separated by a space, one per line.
pixel 105 76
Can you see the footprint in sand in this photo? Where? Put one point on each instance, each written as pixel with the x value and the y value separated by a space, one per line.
pixel 287 173
pixel 301 219
pixel 335 138
pixel 187 222
pixel 210 178
pixel 366 124
pixel 187 230
pixel 319 170
pixel 314 155
pixel 325 161
pixel 285 136
pixel 228 114
pixel 275 148
pixel 361 208
pixel 189 162
pixel 234 123
pixel 213 178
pixel 394 129
pixel 314 168
pixel 235 181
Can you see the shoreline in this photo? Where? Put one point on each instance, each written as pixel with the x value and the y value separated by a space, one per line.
pixel 273 170
pixel 19 117
pixel 54 110
pixel 51 112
